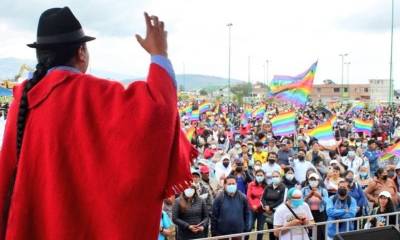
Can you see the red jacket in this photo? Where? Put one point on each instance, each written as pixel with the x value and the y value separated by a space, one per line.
pixel 96 159
pixel 254 195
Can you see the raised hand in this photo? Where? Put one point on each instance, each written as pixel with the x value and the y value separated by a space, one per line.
pixel 155 42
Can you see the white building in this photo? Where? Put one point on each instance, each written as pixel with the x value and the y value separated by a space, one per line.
pixel 379 90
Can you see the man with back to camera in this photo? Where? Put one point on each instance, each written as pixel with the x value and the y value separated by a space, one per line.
pixel 69 171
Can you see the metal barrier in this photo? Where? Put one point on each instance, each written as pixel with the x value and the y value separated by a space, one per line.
pixel 312 227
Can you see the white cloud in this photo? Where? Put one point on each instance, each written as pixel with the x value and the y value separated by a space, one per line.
pixel 291 34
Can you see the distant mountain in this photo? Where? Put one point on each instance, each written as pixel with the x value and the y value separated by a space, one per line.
pixel 9 67
pixel 196 81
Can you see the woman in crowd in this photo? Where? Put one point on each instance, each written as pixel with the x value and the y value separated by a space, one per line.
pixel 379 184
pixel 273 196
pixel 255 192
pixel 315 195
pixel 363 177
pixel 332 180
pixel 242 176
pixel 289 180
pixel 385 205
pixel 190 215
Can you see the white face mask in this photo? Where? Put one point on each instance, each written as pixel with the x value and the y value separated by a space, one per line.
pixel 189 192
pixel 237 146
pixel 289 177
pixel 313 184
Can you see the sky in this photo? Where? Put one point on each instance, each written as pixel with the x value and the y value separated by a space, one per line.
pixel 290 34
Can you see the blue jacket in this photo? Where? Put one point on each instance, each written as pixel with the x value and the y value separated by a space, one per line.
pixel 230 214
pixel 372 157
pixel 358 194
pixel 337 210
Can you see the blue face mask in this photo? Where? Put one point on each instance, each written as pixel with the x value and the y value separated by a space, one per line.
pixel 363 174
pixel 269 181
pixel 296 202
pixel 259 179
pixel 231 188
pixel 276 180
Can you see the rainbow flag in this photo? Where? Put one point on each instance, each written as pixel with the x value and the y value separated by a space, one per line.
pixel 364 126
pixel 243 120
pixel 284 124
pixel 324 133
pixel 248 111
pixel 355 107
pixel 190 133
pixel 390 152
pixel 195 115
pixel 295 89
pixel 204 107
pixel 185 110
pixel 259 111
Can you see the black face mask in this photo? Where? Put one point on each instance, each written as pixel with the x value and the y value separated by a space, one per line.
pixel 384 177
pixel 350 180
pixel 271 161
pixel 226 164
pixel 342 192
pixel 301 158
pixel 239 169
pixel 391 174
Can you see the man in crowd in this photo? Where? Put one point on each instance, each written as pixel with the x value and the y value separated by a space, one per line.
pixel 230 213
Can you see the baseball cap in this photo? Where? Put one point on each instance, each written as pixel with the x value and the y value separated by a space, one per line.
pixel 314 175
pixel 385 194
pixel 204 170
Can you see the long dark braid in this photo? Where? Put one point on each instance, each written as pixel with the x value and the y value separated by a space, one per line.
pixel 47 58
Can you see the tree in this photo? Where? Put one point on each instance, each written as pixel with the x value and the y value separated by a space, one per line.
pixel 203 92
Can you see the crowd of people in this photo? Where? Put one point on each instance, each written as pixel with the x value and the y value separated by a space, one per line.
pixel 246 178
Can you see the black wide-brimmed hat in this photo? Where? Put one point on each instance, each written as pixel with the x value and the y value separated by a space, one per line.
pixel 59 26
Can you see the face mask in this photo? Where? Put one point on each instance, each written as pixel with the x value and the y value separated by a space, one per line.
pixel 365 145
pixel 350 179
pixel 391 174
pixel 384 177
pixel 259 179
pixel 276 180
pixel 237 146
pixel 269 181
pixel 358 144
pixel 226 164
pixel 239 169
pixel 289 177
pixel 363 174
pixel 231 188
pixel 189 192
pixel 296 202
pixel 271 161
pixel 313 184
pixel 257 167
pixel 342 192
pixel 301 157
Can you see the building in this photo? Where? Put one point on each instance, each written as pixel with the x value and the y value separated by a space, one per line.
pixel 330 91
pixel 379 90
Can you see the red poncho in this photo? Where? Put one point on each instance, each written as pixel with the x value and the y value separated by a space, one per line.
pixel 96 159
